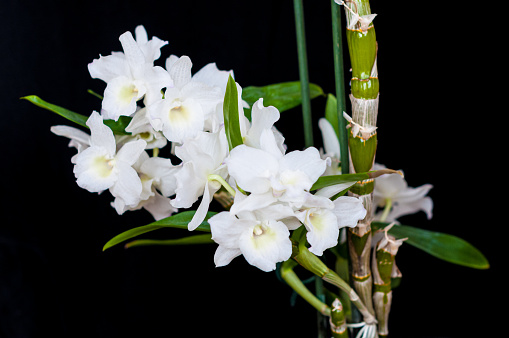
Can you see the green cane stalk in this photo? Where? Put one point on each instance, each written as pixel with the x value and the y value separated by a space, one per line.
pixel 338 320
pixel 362 140
pixel 339 77
pixel 303 72
pixel 384 270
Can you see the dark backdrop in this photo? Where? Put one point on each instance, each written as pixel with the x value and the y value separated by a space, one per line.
pixel 55 280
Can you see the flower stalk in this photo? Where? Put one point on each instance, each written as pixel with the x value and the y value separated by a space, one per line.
pixel 291 278
pixel 313 264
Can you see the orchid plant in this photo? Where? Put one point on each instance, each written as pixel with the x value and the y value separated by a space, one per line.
pixel 282 208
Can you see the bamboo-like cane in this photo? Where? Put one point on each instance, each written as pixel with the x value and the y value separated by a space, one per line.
pixel 338 320
pixel 362 137
pixel 383 266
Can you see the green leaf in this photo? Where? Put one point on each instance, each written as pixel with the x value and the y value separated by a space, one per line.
pixel 331 113
pixel 231 114
pixel 178 221
pixel 443 246
pixel 70 115
pixel 190 240
pixel 118 127
pixel 326 181
pixel 283 96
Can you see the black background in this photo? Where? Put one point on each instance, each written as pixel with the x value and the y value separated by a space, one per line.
pixel 436 72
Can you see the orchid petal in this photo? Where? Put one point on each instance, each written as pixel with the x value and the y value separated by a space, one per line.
pixel 101 135
pixel 252 168
pixel 212 76
pixel 265 245
pixel 180 71
pixel 128 185
pixel 307 161
pixel 203 208
pixel 94 171
pixel 190 186
pixel 348 210
pixel 330 139
pixel 107 68
pixel 223 255
pixel 226 229
pixel 323 230
pixel 131 151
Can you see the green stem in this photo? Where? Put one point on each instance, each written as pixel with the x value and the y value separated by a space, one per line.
pixel 296 284
pixel 387 209
pixel 214 177
pixel 303 72
pixel 339 76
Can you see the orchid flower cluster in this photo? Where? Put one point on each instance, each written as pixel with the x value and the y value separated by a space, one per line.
pixel 270 187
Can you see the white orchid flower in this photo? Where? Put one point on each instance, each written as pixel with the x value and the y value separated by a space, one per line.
pixel 130 76
pixel 100 166
pixel 259 236
pixel 393 193
pixel 324 218
pixel 182 112
pixel 271 176
pixel 141 129
pixel 158 181
pixel 202 167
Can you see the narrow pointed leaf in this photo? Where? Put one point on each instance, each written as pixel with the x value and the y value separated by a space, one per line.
pixel 443 246
pixel 326 181
pixel 118 127
pixel 179 221
pixel 231 114
pixel 190 240
pixel 70 115
pixel 283 96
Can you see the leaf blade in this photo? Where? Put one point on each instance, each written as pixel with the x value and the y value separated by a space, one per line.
pixel 179 221
pixel 189 240
pixel 231 114
pixel 66 113
pixel 118 127
pixel 326 181
pixel 446 247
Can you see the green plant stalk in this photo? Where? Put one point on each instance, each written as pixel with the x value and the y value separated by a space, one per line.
pixel 291 278
pixel 382 296
pixel 338 320
pixel 362 146
pixel 337 46
pixel 303 72
pixel 313 264
pixel 384 270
